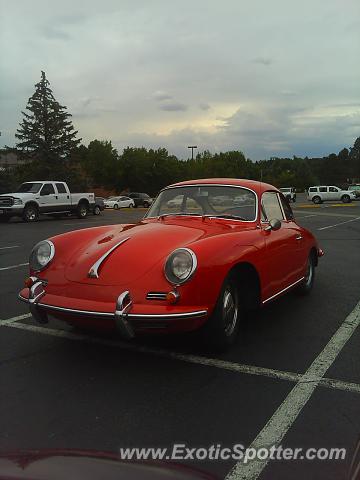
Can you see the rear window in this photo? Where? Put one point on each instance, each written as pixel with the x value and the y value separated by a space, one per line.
pixel 323 189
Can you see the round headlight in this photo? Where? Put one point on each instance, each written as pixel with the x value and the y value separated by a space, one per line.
pixel 41 255
pixel 180 265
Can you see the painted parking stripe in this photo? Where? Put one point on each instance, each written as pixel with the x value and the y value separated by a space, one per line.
pixel 13 246
pixel 337 224
pixel 14 266
pixel 284 417
pixel 188 358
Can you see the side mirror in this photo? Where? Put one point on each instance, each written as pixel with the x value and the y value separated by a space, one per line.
pixel 274 224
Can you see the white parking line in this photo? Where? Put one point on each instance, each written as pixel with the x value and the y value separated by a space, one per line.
pixel 188 358
pixel 337 224
pixel 13 246
pixel 14 266
pixel 284 417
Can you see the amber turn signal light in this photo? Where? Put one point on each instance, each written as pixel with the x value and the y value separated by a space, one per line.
pixel 29 282
pixel 172 297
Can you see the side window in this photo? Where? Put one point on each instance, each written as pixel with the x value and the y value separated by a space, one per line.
pixel 333 189
pixel 313 189
pixel 271 206
pixel 61 188
pixel 47 189
pixel 286 207
pixel 323 189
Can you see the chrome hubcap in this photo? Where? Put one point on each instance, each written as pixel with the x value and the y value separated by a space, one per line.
pixel 230 312
pixel 31 215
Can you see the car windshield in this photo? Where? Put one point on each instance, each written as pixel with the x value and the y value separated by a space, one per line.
pixel 210 200
pixel 29 188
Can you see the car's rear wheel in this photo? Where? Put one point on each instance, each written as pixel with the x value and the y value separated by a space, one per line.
pixel 131 205
pixel 82 210
pixel 345 199
pixel 316 200
pixel 97 210
pixel 221 330
pixel 30 213
pixel 307 284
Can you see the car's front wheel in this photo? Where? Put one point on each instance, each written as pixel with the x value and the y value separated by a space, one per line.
pixel 307 284
pixel 221 330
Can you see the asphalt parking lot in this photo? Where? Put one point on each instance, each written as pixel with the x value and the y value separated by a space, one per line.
pixel 293 377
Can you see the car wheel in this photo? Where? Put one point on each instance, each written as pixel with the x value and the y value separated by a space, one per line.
pixel 146 204
pixel 116 206
pixel 131 205
pixel 316 200
pixel 221 330
pixel 345 199
pixel 82 210
pixel 308 282
pixel 96 210
pixel 30 213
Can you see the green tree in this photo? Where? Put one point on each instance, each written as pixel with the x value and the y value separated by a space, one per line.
pixel 46 134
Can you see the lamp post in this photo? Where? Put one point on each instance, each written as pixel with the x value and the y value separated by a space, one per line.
pixel 192 150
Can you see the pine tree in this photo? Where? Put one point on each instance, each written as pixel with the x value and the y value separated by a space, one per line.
pixel 46 134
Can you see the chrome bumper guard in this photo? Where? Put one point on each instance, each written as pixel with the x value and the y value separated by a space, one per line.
pixel 121 313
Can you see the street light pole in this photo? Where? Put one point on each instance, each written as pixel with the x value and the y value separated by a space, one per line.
pixel 192 150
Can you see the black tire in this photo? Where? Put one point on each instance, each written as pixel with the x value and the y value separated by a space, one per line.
pixel 221 329
pixel 146 204
pixel 82 210
pixel 135 205
pixel 97 210
pixel 116 206
pixel 346 199
pixel 288 198
pixel 131 205
pixel 316 200
pixel 307 285
pixel 4 219
pixel 30 213
pixel 294 199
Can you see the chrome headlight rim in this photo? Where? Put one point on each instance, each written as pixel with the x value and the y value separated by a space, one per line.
pixel 39 268
pixel 170 276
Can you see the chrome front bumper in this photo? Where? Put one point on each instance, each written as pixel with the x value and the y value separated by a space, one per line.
pixel 121 314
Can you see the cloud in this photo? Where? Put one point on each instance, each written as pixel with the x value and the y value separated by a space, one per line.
pixel 173 107
pixel 263 61
pixel 160 96
pixel 204 106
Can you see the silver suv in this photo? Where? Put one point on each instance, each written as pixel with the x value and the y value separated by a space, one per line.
pixel 321 194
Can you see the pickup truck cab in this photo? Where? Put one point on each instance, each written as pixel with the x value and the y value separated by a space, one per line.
pixel 44 197
pixel 321 194
pixel 289 193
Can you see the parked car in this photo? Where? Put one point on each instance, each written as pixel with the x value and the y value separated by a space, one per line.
pixel 44 197
pixel 99 205
pixel 119 202
pixel 329 193
pixel 141 199
pixel 289 193
pixel 177 270
pixel 355 187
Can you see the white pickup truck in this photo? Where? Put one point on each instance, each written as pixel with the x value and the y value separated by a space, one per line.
pixel 44 197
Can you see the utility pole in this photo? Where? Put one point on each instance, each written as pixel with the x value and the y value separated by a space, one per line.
pixel 192 150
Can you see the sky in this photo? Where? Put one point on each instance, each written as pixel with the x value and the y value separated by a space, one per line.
pixel 269 78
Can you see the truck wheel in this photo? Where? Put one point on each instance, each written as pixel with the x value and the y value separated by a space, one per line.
pixel 30 213
pixel 345 199
pixel 82 210
pixel 96 210
pixel 316 199
pixel 221 329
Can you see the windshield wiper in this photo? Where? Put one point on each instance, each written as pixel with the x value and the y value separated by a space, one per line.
pixel 163 215
pixel 226 216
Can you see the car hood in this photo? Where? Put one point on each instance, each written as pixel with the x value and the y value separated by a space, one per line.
pixel 144 246
pixel 23 196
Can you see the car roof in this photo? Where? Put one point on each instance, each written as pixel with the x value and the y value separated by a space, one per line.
pixel 254 185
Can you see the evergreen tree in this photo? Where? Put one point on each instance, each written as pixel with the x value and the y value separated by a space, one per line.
pixel 46 134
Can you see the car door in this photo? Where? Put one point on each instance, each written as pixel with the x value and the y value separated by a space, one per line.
pixel 334 193
pixel 47 198
pixel 63 197
pixel 281 262
pixel 324 193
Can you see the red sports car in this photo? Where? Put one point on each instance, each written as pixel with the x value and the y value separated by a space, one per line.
pixel 205 251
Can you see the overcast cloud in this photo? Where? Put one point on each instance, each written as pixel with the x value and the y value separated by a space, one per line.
pixel 269 78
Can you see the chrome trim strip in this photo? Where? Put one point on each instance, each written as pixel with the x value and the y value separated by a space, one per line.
pixel 94 270
pixel 215 185
pixel 156 296
pixel 283 290
pixel 196 313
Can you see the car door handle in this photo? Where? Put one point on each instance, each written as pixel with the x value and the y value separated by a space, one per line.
pixel 299 237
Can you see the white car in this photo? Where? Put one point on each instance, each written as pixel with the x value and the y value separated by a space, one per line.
pixel 289 193
pixel 119 202
pixel 321 194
